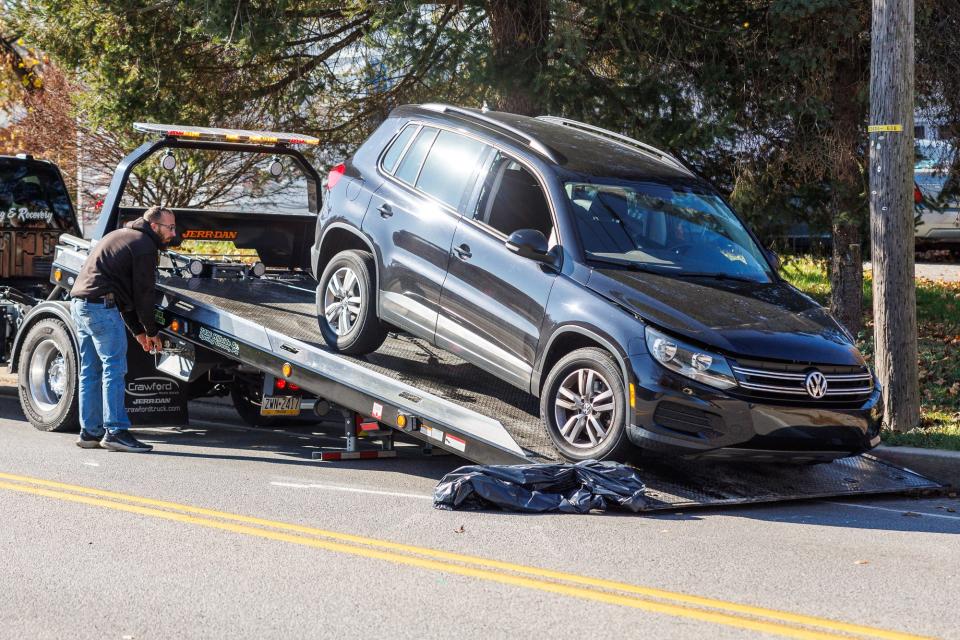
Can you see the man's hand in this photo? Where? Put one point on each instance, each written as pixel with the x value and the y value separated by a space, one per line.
pixel 143 340
pixel 155 344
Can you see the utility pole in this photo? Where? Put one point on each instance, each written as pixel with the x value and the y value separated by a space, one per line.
pixel 891 210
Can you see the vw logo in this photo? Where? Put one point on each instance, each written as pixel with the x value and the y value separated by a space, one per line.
pixel 816 384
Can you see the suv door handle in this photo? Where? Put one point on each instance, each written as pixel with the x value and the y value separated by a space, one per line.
pixel 385 210
pixel 463 252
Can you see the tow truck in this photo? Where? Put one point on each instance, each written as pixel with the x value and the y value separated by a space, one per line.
pixel 251 330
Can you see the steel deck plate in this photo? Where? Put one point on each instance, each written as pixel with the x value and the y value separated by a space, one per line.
pixel 289 308
pixel 687 483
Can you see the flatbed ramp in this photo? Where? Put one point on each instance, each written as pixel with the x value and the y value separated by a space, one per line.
pixel 255 320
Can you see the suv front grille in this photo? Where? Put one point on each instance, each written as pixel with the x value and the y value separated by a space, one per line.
pixel 779 381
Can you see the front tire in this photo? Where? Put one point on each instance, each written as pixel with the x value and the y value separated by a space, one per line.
pixel 584 407
pixel 48 378
pixel 346 304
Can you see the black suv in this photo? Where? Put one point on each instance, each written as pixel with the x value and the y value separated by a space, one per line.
pixel 593 271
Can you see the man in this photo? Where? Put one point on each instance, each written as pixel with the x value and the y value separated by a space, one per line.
pixel 116 287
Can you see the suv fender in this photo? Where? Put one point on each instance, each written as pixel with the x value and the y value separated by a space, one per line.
pixel 582 336
pixel 337 237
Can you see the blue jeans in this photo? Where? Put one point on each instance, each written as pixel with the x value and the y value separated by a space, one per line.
pixel 103 367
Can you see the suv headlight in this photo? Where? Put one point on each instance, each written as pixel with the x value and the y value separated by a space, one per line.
pixel 692 362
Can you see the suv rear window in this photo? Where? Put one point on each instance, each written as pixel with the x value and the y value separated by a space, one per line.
pixel 33 196
pixel 392 155
pixel 409 167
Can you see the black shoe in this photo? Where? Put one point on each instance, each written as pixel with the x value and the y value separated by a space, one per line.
pixel 87 441
pixel 124 441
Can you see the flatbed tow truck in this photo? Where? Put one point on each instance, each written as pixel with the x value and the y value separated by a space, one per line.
pixel 225 324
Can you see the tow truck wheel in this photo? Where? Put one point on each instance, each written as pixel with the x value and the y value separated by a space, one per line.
pixel 346 309
pixel 584 407
pixel 246 401
pixel 48 378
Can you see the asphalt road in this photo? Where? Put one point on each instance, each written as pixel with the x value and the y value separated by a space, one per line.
pixel 227 533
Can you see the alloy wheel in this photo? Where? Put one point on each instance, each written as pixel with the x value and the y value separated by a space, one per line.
pixel 341 301
pixel 583 408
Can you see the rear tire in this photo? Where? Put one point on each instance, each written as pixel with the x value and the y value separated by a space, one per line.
pixel 48 378
pixel 584 407
pixel 346 304
pixel 247 402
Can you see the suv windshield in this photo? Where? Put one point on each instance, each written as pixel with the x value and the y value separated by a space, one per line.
pixel 670 229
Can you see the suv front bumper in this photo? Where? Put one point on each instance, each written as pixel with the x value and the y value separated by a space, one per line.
pixel 674 415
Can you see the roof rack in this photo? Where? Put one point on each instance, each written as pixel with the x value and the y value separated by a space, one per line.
pixel 534 144
pixel 617 137
pixel 224 135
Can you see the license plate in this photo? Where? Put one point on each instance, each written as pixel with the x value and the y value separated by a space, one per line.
pixel 280 406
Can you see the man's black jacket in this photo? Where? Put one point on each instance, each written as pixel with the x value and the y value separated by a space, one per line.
pixel 124 263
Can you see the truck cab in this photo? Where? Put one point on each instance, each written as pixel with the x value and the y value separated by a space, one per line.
pixel 35 209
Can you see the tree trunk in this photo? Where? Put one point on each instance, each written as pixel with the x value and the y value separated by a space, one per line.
pixel 846 275
pixel 846 181
pixel 519 32
pixel 891 211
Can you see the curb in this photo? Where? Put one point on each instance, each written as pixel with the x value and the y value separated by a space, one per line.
pixel 936 464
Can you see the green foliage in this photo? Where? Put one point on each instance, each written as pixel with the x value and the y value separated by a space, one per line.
pixel 938 320
pixel 767 98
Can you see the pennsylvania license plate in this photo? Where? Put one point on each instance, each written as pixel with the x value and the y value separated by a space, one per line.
pixel 280 406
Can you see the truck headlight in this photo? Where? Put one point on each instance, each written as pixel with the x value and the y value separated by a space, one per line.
pixel 695 363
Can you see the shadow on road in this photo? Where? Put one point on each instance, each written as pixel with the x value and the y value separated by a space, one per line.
pixel 295 445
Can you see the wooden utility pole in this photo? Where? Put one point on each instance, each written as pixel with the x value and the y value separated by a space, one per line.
pixel 891 210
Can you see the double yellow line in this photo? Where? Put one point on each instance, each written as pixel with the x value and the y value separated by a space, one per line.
pixel 669 603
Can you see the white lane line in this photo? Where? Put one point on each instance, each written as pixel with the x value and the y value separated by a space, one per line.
pixel 332 487
pixel 90 463
pixel 900 511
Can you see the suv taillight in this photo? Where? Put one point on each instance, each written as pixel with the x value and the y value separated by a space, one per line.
pixel 335 174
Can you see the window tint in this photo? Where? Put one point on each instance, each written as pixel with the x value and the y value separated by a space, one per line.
pixel 410 165
pixel 512 199
pixel 450 165
pixel 32 195
pixel 670 228
pixel 393 153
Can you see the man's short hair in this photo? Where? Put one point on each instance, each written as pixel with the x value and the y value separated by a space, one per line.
pixel 155 213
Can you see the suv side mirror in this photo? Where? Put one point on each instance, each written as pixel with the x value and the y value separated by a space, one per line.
pixel 530 243
pixel 773 258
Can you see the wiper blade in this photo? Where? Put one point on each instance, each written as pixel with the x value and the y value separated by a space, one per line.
pixel 630 264
pixel 716 276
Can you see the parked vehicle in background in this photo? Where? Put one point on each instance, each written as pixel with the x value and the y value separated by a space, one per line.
pixel 593 271
pixel 35 209
pixel 937 202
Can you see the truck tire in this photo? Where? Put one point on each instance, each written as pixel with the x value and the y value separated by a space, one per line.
pixel 246 401
pixel 584 407
pixel 346 304
pixel 48 381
